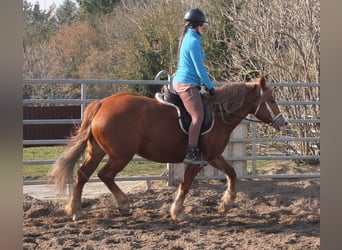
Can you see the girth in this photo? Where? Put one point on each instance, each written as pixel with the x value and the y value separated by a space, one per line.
pixel 184 118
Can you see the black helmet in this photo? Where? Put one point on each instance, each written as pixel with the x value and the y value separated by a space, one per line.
pixel 195 16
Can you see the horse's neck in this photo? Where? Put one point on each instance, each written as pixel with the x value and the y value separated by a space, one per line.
pixel 251 97
pixel 235 121
pixel 238 115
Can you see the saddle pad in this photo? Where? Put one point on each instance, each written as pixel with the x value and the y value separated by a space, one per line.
pixel 184 118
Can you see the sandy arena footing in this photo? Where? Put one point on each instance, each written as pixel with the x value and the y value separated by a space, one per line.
pixel 90 190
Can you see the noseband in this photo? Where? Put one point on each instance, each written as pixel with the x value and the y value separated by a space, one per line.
pixel 275 118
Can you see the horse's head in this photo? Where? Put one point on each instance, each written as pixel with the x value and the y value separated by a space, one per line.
pixel 266 109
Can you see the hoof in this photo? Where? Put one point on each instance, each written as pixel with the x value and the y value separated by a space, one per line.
pixel 77 216
pixel 177 213
pixel 180 217
pixel 125 212
pixel 224 207
pixel 68 210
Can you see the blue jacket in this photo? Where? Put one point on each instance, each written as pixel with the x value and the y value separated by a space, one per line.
pixel 191 69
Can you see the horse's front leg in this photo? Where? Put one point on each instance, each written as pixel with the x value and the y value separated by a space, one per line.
pixel 230 194
pixel 177 207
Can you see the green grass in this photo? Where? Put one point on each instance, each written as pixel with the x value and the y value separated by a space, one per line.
pixel 139 168
pixel 34 172
pixel 42 153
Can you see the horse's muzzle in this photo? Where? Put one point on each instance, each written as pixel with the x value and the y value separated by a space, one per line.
pixel 280 122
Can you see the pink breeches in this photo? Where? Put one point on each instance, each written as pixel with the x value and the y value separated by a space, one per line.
pixel 192 101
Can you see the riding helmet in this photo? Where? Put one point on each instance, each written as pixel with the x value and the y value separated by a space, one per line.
pixel 195 16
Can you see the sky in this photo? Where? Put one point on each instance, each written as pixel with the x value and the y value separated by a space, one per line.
pixel 45 4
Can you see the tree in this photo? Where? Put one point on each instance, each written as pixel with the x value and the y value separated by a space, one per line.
pixel 38 24
pixel 145 35
pixel 279 39
pixel 66 13
pixel 73 44
pixel 218 38
pixel 93 8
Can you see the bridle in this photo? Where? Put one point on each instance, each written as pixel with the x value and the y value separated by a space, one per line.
pixel 275 118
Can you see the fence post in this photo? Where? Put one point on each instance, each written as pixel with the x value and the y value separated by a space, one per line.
pixel 237 149
pixel 83 106
pixel 254 149
pixel 170 174
pixel 83 98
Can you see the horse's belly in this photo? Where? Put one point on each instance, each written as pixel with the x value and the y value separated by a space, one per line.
pixel 163 150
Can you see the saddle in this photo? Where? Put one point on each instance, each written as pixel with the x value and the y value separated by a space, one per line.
pixel 172 99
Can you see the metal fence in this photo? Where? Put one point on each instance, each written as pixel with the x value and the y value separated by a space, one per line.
pixel 254 140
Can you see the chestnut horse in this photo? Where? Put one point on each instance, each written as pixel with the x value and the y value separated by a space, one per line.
pixel 126 124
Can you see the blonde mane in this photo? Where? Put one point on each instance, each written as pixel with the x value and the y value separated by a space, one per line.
pixel 232 95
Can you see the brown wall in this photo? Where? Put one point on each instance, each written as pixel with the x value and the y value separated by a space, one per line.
pixel 49 131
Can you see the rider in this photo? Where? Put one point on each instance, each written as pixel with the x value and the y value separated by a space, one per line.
pixel 190 75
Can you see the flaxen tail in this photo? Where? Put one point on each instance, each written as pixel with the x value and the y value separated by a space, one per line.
pixel 62 170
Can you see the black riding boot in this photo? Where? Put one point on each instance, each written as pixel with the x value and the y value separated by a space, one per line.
pixel 194 156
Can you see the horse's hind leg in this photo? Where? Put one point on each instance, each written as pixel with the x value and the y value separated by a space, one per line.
pixel 230 193
pixel 107 175
pixel 95 155
pixel 177 206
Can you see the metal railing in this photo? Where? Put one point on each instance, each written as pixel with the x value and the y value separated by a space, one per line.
pixel 83 101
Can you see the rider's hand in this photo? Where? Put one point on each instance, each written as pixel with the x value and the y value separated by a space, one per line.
pixel 212 93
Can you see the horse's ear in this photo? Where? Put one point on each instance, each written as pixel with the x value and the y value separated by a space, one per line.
pixel 262 82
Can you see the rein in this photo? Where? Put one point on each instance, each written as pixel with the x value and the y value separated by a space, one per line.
pixel 223 109
pixel 248 119
pixel 258 121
